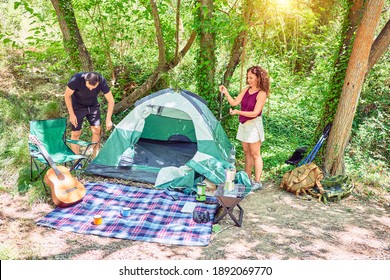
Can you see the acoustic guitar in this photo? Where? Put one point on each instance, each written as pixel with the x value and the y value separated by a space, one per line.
pixel 65 189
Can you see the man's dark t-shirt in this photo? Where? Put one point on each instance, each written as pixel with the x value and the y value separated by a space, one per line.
pixel 82 96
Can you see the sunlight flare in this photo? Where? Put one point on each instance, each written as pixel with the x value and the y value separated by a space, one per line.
pixel 283 3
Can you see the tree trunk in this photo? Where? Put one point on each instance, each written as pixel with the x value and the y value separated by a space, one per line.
pixel 357 68
pixel 380 46
pixel 138 92
pixel 236 54
pixel 163 65
pixel 206 54
pixel 107 43
pixel 350 25
pixel 73 41
pixel 239 43
pixel 159 35
pixel 152 80
pixel 336 82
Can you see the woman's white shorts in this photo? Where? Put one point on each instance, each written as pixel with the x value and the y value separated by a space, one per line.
pixel 251 131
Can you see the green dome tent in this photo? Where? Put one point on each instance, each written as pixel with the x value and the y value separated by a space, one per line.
pixel 169 139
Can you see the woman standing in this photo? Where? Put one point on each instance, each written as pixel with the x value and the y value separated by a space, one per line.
pixel 250 129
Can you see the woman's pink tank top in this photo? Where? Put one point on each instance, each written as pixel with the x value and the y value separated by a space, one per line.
pixel 248 103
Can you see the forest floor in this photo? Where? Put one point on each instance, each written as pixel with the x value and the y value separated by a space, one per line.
pixel 276 226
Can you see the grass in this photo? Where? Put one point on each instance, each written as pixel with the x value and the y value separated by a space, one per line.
pixel 7 253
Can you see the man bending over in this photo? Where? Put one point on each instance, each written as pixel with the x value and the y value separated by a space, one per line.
pixel 81 99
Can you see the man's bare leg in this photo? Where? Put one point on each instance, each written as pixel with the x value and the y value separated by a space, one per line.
pixel 96 130
pixel 75 135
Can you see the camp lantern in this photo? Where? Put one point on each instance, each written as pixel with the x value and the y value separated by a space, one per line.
pixel 200 191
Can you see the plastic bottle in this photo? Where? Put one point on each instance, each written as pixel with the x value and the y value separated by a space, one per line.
pixel 232 157
pixel 230 173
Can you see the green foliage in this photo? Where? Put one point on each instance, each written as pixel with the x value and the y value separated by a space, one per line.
pixel 24 182
pixel 17 107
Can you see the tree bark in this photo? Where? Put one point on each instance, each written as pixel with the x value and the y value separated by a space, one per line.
pixel 354 78
pixel 73 41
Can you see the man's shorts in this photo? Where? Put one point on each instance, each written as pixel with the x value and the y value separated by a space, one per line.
pixel 91 113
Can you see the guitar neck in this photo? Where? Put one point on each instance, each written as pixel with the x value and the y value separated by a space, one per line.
pixel 49 160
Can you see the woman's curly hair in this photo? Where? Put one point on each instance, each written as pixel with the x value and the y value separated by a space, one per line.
pixel 262 74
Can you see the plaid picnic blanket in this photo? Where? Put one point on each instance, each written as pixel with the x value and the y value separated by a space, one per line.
pixel 155 215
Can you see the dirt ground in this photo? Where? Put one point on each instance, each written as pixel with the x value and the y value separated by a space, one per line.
pixel 277 226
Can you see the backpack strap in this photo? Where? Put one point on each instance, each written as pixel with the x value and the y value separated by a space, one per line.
pixel 319 185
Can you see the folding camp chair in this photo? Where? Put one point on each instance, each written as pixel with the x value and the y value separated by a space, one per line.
pixel 296 158
pixel 310 157
pixel 52 136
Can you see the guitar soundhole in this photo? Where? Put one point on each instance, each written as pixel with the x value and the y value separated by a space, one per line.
pixel 69 190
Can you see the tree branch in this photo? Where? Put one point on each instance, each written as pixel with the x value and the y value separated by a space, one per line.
pixel 159 36
pixel 380 45
pixel 151 81
pixel 177 28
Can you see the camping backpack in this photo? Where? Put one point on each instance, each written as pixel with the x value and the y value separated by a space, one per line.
pixel 302 179
pixel 334 189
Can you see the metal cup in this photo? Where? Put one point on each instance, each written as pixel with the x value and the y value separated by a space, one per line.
pixel 97 219
pixel 126 211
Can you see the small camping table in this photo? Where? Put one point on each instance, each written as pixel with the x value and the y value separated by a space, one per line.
pixel 228 201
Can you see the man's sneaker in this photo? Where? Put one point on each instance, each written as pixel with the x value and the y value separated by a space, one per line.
pixel 256 186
